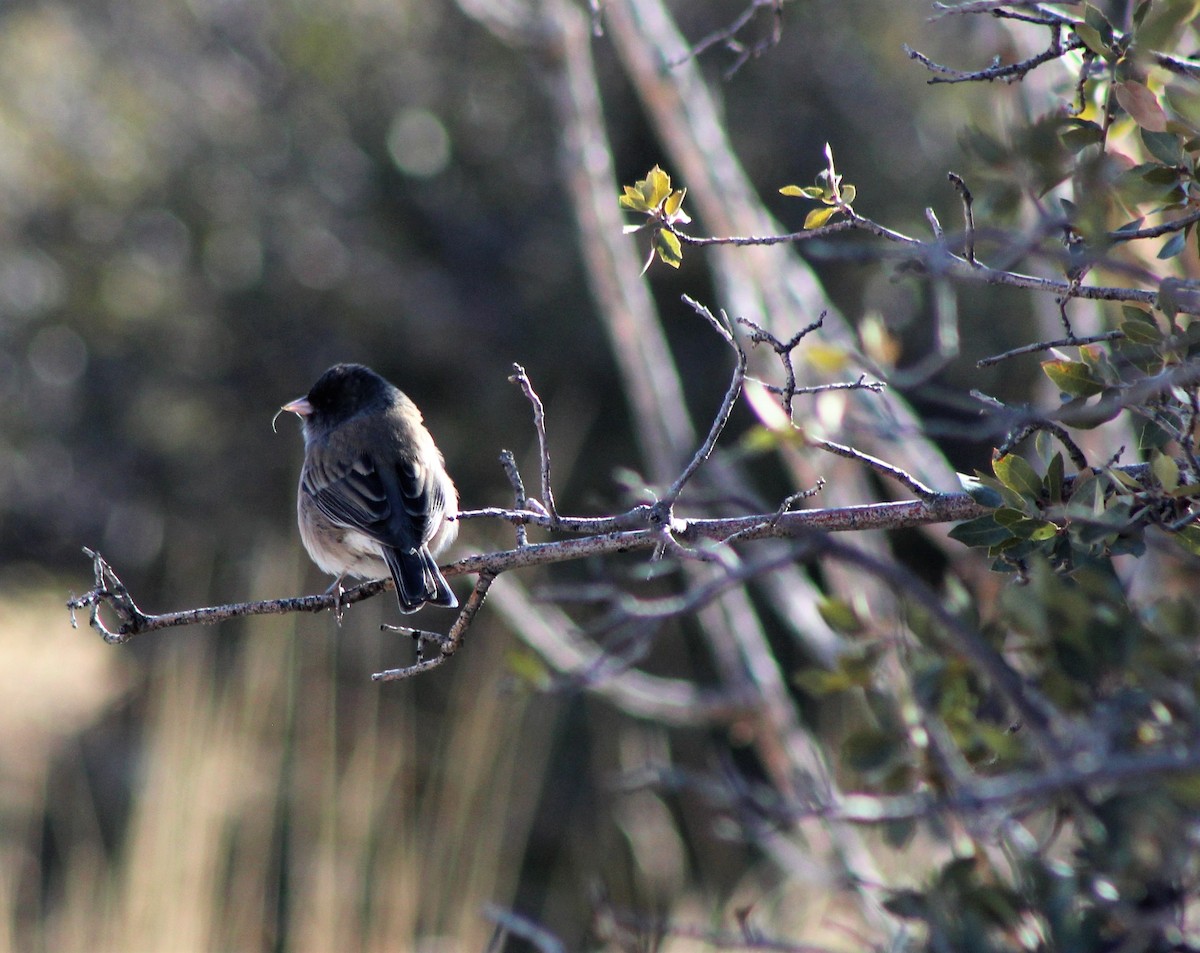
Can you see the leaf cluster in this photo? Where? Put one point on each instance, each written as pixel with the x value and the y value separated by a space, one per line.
pixel 834 195
pixel 654 198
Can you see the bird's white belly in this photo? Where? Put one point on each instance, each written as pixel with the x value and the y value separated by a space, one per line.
pixel 338 550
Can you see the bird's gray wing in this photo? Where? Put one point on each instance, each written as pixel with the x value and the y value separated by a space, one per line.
pixel 390 505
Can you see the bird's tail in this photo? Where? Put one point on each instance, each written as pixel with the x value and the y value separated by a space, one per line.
pixel 418 579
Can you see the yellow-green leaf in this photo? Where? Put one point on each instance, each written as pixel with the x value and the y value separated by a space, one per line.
pixel 848 194
pixel 801 191
pixel 1166 471
pixel 673 202
pixel 1073 378
pixel 658 187
pixel 819 216
pixel 1045 530
pixel 632 200
pixel 668 248
pixel 1016 474
pixel 528 668
pixel 841 617
pixel 1189 539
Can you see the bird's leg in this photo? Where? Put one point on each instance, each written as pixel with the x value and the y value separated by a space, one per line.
pixel 339 607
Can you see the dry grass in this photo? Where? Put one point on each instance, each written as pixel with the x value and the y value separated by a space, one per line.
pixel 275 803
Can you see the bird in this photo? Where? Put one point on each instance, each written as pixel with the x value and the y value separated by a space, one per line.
pixel 374 497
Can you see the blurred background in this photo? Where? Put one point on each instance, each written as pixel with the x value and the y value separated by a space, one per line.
pixel 203 204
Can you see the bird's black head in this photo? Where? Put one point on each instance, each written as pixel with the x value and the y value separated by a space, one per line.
pixel 345 389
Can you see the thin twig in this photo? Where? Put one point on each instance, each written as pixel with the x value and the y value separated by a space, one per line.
pixel 728 36
pixel 879 466
pixel 968 216
pixel 722 418
pixel 539 422
pixel 1047 345
pixel 509 921
pixel 1009 73
pixel 1156 231
pixel 1073 451
pixel 509 463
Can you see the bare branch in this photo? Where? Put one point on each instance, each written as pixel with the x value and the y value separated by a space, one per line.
pixel 925 254
pixel 108 590
pixel 1012 72
pixel 784 349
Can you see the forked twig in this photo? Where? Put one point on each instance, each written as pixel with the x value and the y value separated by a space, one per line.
pixel 447 644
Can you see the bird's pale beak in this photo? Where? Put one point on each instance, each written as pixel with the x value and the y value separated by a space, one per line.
pixel 300 407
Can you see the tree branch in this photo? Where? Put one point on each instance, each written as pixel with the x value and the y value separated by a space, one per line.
pixel 109 591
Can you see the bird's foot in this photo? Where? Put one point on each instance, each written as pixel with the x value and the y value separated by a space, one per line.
pixel 339 606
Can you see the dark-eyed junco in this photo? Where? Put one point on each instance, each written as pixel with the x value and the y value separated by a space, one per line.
pixel 374 496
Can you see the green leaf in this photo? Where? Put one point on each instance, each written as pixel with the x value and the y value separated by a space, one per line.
pixel 1054 478
pixel 854 670
pixel 980 492
pixel 1139 328
pixel 1166 147
pixel 1091 38
pixel 899 834
pixel 1150 435
pixel 1078 134
pixel 848 193
pixel 979 532
pixel 1073 378
pixel 1173 245
pixel 1023 527
pixel 819 216
pixel 1162 24
pixel 1009 516
pixel 1096 20
pixel 1016 474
